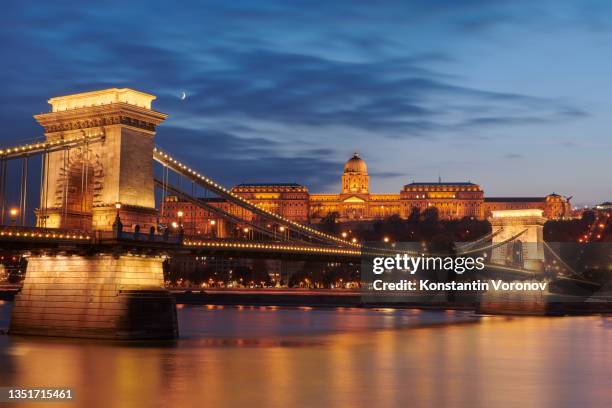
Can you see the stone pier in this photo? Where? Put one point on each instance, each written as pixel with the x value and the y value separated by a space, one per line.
pixel 100 296
pixel 514 302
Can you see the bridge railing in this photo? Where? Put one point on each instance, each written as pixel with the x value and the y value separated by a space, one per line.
pixel 37 233
pixel 138 236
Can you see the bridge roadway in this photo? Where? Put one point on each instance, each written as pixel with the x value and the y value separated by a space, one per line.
pixel 32 239
pixel 54 240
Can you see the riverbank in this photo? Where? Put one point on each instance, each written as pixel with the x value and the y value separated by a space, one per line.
pixel 287 297
pixel 557 305
pixel 269 297
pixel 303 298
pixel 326 298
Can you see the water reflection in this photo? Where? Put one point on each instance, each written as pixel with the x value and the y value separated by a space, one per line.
pixel 335 357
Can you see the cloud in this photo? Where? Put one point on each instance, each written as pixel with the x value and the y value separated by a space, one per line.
pixel 387 174
pixel 567 143
pixel 394 98
pixel 232 159
pixel 398 96
pixel 283 85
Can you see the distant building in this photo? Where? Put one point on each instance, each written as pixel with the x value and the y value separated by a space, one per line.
pixel 553 205
pixel 196 221
pixel 289 200
pixel 355 202
pixel 453 200
pixel 605 206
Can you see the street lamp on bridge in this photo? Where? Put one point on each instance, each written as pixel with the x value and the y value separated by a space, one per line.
pixel 14 213
pixel 117 225
pixel 282 229
pixel 212 228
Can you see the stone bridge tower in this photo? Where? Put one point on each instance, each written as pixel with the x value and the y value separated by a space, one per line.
pixel 527 250
pixel 82 184
pixel 97 295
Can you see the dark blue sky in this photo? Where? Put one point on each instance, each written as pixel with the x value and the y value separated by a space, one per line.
pixel 513 95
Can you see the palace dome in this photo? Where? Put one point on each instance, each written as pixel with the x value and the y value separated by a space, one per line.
pixel 356 165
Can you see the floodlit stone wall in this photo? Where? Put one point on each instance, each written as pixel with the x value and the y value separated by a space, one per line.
pixel 99 296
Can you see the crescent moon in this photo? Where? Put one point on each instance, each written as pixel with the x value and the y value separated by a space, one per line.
pixel 183 96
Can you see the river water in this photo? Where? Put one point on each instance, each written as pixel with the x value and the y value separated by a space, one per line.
pixel 304 357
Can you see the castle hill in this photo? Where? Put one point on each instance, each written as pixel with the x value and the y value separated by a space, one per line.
pixel 451 200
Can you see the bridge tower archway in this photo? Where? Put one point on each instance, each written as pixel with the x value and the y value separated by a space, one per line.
pixel 527 228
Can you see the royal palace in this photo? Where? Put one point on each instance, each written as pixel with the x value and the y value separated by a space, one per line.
pixel 453 200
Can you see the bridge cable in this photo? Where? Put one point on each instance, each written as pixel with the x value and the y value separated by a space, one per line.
pixel 86 194
pixel 487 237
pixel 218 211
pixel 18 220
pixel 493 245
pixel 164 158
pixel 561 260
pixel 50 146
pixel 164 189
pixel 82 189
pixel 193 209
pixel 42 188
pixel 23 190
pixel 63 176
pixel 46 216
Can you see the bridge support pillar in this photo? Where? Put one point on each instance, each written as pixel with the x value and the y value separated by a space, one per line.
pixel 515 302
pixel 100 296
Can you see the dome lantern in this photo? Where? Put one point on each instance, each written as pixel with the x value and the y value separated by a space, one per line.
pixel 356 165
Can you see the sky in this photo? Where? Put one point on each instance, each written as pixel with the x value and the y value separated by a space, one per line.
pixel 512 95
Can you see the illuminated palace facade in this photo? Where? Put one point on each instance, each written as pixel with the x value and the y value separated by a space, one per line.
pixel 453 200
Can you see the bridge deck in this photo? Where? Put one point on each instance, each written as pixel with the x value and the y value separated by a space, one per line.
pixel 21 238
